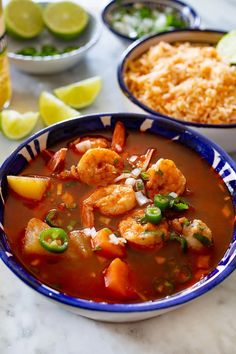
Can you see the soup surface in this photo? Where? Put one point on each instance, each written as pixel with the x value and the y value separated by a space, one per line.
pixel 128 218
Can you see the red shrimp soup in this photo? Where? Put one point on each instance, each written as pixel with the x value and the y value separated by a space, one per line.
pixel 122 217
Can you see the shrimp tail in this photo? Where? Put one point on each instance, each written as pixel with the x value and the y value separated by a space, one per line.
pixel 56 163
pixel 87 216
pixel 118 138
pixel 147 158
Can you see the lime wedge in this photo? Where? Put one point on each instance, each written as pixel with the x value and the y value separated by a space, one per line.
pixel 80 94
pixel 226 47
pixel 53 110
pixel 15 125
pixel 23 19
pixel 65 19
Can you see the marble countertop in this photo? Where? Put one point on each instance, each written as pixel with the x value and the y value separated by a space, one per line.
pixel 30 324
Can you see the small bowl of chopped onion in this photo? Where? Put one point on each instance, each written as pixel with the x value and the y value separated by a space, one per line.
pixel 132 19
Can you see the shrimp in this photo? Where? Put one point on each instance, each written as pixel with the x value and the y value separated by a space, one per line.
pixel 112 200
pixel 99 166
pixel 143 235
pixel 71 174
pixel 165 177
pixel 142 161
pixel 57 161
pixel 81 145
pixel 196 232
pixel 118 139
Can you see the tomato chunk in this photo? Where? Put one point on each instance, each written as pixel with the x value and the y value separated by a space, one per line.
pixel 117 279
pixel 104 246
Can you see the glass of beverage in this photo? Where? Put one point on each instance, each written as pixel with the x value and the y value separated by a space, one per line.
pixel 5 83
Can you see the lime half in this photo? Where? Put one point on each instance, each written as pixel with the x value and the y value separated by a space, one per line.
pixel 53 110
pixel 226 47
pixel 65 19
pixel 15 125
pixel 23 19
pixel 80 94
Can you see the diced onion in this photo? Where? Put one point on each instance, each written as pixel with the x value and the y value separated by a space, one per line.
pixel 173 195
pixel 90 232
pixel 141 198
pixel 133 158
pixel 136 172
pixel 116 240
pixel 130 181
pixel 122 176
pixel 83 146
pixel 113 239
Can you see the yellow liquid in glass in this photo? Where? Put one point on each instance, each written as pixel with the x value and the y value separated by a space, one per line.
pixel 5 84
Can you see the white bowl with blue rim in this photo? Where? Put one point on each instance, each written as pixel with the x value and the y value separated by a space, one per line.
pixel 183 11
pixel 206 149
pixel 222 134
pixel 51 64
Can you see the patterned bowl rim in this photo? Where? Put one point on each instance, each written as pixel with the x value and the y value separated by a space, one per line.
pixel 132 47
pixel 221 162
pixel 196 20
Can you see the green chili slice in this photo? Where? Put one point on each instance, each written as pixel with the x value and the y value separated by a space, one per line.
pixel 161 201
pixel 54 240
pixel 153 215
pixel 203 239
pixel 139 185
pixel 181 206
pixel 144 176
pixel 181 240
pixel 51 218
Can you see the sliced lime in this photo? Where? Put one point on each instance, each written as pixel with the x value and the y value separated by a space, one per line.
pixel 65 19
pixel 15 125
pixel 80 94
pixel 53 110
pixel 23 19
pixel 226 47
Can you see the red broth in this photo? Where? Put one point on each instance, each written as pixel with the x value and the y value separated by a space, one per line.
pixel 209 199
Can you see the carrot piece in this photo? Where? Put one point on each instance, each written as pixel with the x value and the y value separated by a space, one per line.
pixel 103 246
pixel 117 279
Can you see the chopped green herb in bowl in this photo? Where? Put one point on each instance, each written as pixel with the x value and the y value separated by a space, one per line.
pixel 134 19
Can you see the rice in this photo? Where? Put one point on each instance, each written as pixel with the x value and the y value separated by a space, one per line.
pixel 191 83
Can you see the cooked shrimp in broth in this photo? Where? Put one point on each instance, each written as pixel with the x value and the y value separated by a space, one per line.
pixel 119 218
pixel 112 200
pixel 99 167
pixel 165 177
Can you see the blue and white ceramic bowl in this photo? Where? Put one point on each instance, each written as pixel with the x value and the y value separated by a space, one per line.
pixel 185 11
pixel 205 148
pixel 222 134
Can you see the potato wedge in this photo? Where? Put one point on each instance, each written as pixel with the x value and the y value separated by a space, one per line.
pixel 31 240
pixel 29 187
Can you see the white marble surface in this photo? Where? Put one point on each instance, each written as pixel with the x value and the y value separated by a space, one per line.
pixel 30 324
